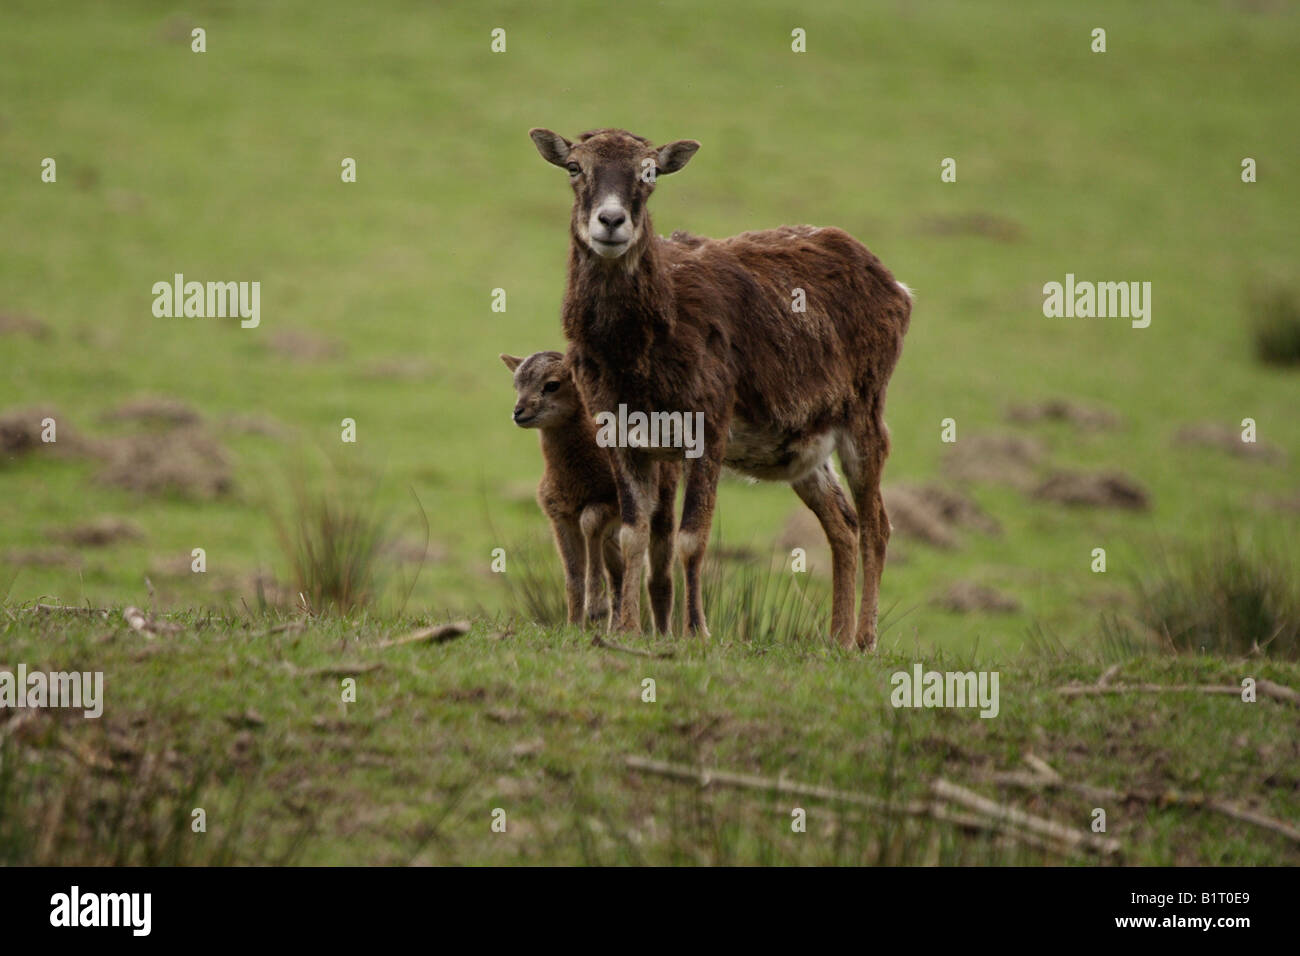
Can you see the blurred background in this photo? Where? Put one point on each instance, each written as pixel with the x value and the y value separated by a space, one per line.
pixel 376 296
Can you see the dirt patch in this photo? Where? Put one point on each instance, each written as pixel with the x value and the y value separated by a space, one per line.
pixel 171 566
pixel 1097 490
pixel 934 514
pixel 1001 459
pixel 43 558
pixel 973 224
pixel 175 28
pixel 1213 435
pixel 155 410
pixel 931 514
pixel 11 324
pixel 21 431
pixel 1287 504
pixel 302 346
pixel 100 532
pixel 1063 410
pixel 254 589
pixel 262 425
pixel 803 530
pixel 183 461
pixel 966 597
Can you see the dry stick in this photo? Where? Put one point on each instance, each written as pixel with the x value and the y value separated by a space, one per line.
pixel 69 608
pixel 136 618
pixel 432 635
pixel 1266 687
pixel 935 809
pixel 1042 766
pixel 724 778
pixel 599 641
pixel 1077 838
pixel 941 811
pixel 340 670
pixel 1054 781
pixel 1250 816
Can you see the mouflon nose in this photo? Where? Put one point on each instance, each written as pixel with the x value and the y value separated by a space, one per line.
pixel 519 411
pixel 611 219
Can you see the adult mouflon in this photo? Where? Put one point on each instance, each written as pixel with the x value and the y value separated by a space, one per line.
pixel 784 338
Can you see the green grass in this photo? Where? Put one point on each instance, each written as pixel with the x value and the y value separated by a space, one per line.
pixel 225 165
pixel 538 723
pixel 1123 166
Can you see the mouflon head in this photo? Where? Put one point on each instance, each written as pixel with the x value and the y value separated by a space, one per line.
pixel 545 395
pixel 613 173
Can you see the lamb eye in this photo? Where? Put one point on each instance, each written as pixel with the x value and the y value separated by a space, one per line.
pixel 550 387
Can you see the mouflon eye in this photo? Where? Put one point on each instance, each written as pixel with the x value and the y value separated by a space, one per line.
pixel 574 169
pixel 550 387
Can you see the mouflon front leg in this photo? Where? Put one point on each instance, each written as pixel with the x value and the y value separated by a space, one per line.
pixel 568 541
pixel 635 476
pixel 662 533
pixel 698 501
pixel 595 519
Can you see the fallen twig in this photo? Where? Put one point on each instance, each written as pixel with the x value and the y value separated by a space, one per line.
pixel 1266 688
pixel 336 670
pixel 599 641
pixel 147 624
pixel 70 609
pixel 723 778
pixel 1042 767
pixel 1051 780
pixel 431 635
pixel 935 809
pixel 1083 839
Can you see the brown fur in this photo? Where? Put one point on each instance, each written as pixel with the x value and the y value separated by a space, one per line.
pixel 695 324
pixel 578 494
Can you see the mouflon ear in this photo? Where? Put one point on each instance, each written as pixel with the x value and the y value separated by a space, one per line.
pixel 673 156
pixel 512 362
pixel 553 147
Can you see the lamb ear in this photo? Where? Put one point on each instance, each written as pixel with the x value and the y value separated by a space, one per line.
pixel 553 147
pixel 673 156
pixel 512 362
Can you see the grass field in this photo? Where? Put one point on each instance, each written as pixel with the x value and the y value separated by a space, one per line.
pixel 251 727
pixel 376 305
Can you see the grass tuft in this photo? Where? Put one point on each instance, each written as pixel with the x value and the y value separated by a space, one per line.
pixel 333 539
pixel 60 812
pixel 1276 326
pixel 753 603
pixel 1224 598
